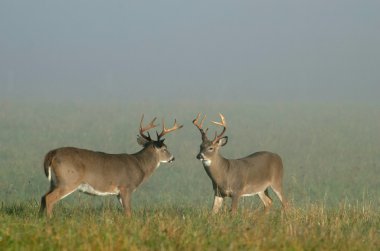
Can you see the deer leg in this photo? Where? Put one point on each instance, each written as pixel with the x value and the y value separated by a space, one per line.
pixel 53 197
pixel 218 201
pixel 278 191
pixel 125 198
pixel 267 201
pixel 234 204
pixel 43 199
pixel 119 199
pixel 43 205
pixel 267 194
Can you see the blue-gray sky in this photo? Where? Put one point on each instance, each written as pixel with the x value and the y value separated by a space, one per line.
pixel 194 50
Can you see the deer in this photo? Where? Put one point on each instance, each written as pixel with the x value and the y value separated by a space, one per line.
pixel 236 178
pixel 71 169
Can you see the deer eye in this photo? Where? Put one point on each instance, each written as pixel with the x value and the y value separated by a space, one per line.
pixel 210 149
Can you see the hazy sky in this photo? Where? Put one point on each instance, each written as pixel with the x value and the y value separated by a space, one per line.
pixel 194 50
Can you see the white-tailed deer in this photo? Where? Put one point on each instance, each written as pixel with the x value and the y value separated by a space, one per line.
pixel 70 169
pixel 239 177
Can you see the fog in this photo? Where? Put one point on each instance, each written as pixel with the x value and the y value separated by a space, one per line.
pixel 193 51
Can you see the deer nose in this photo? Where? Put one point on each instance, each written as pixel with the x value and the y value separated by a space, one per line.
pixel 199 156
pixel 171 160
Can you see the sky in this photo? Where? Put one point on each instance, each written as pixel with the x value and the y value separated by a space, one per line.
pixel 193 51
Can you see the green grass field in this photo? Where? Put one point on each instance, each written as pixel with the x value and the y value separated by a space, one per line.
pixel 331 157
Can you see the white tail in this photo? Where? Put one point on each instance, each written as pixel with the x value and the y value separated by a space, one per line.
pixel 49 173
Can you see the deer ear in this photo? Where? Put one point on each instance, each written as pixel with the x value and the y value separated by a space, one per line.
pixel 141 140
pixel 223 141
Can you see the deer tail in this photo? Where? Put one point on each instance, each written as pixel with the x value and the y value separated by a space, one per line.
pixel 47 163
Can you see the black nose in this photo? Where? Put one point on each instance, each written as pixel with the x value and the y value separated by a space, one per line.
pixel 171 160
pixel 199 156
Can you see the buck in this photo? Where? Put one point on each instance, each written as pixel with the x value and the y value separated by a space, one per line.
pixel 70 169
pixel 239 177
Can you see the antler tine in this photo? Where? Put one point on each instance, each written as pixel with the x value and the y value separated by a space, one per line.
pixel 222 123
pixel 146 128
pixel 166 131
pixel 199 125
pixel 195 121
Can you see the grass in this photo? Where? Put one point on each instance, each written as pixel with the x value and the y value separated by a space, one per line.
pixel 331 155
pixel 315 227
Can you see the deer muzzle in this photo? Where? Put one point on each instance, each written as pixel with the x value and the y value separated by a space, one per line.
pixel 171 160
pixel 200 156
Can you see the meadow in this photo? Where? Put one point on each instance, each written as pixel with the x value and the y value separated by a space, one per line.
pixel 331 155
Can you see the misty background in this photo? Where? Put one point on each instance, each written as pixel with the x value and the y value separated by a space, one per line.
pixel 192 51
pixel 299 78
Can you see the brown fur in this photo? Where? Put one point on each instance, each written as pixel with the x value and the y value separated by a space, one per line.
pixel 234 178
pixel 118 174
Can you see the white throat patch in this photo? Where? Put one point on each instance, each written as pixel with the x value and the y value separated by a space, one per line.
pixel 206 162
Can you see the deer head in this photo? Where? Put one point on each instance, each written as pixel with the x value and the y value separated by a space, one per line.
pixel 209 148
pixel 158 145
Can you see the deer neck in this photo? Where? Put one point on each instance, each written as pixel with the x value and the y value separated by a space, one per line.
pixel 148 160
pixel 217 168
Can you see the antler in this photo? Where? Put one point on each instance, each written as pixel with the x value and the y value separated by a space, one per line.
pixel 222 123
pixel 146 128
pixel 166 131
pixel 199 126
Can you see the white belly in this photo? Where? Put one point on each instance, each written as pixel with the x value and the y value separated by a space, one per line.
pixel 248 194
pixel 86 188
